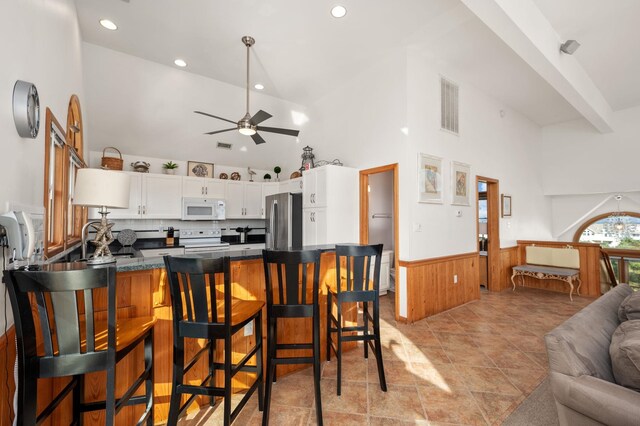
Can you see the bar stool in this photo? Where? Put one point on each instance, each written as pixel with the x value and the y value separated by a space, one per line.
pixel 69 340
pixel 292 301
pixel 194 289
pixel 353 285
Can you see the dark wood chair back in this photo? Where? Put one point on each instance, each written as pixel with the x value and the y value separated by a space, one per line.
pixel 289 292
pixel 353 269
pixel 195 284
pixel 64 307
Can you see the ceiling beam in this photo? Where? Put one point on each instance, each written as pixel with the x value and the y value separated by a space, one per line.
pixel 523 27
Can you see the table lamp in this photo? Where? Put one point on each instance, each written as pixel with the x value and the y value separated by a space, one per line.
pixel 103 189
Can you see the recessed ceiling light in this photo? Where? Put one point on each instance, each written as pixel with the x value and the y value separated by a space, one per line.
pixel 181 63
pixel 259 86
pixel 338 11
pixel 108 24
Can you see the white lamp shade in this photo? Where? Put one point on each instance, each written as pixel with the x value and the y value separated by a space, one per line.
pixel 482 228
pixel 97 188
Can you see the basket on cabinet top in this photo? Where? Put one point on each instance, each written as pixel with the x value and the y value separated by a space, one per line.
pixel 112 163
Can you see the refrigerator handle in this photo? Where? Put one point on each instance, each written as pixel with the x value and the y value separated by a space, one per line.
pixel 274 224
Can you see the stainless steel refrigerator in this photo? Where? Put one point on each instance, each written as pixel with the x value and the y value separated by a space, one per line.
pixel 283 221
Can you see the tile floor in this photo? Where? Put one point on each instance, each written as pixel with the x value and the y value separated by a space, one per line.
pixel 472 365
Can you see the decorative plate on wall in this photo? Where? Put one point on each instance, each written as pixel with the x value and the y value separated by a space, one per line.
pixel 235 176
pixel 224 176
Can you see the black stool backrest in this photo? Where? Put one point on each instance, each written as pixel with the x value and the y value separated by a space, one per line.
pixel 59 312
pixel 358 267
pixel 193 286
pixel 292 288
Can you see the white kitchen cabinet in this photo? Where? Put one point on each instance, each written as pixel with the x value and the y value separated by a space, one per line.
pixel 292 185
pixel 151 196
pixel 314 226
pixel 315 186
pixel 244 200
pixel 195 187
pixel 331 205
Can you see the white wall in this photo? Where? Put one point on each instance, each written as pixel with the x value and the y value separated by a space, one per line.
pixel 577 159
pixel 583 170
pixel 146 109
pixel 40 44
pixel 361 123
pixel 381 202
pixel 571 211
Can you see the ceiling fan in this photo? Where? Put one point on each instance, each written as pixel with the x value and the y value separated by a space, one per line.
pixel 248 125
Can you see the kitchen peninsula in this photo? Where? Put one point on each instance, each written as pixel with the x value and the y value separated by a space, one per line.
pixel 142 289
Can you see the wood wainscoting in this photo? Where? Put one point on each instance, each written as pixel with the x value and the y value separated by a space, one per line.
pixel 431 288
pixel 589 268
pixel 7 387
pixel 509 257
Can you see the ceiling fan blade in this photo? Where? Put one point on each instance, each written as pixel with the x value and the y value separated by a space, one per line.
pixel 221 131
pixel 257 139
pixel 215 116
pixel 259 117
pixel 289 132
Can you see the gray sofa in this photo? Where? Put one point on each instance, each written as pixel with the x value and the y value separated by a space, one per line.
pixel 580 367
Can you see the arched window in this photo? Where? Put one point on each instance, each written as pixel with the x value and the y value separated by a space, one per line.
pixel 615 230
pixel 618 233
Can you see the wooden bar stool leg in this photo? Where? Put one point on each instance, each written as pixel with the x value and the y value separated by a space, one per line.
pixel 110 409
pixel 275 339
pixel 78 399
pixel 376 330
pixel 227 381
pixel 212 370
pixel 148 365
pixel 329 325
pixel 316 365
pixel 339 348
pixel 27 398
pixel 271 353
pixel 260 373
pixel 365 320
pixel 178 377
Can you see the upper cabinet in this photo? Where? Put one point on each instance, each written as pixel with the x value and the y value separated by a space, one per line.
pixel 292 185
pixel 244 200
pixel 315 187
pixel 195 187
pixel 331 205
pixel 151 196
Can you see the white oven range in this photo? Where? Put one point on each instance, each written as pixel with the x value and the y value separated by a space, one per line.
pixel 202 239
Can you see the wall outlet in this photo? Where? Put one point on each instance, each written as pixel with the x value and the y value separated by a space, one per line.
pixel 248 329
pixel 455 279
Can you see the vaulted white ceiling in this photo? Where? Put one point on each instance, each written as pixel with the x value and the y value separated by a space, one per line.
pixel 301 52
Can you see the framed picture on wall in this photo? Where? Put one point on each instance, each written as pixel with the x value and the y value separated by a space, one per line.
pixel 460 177
pixel 196 168
pixel 506 205
pixel 429 179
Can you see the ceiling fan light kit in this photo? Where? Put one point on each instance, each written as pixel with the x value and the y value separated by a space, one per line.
pixel 248 125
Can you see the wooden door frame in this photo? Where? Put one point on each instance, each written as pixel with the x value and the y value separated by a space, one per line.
pixel 364 214
pixel 493 230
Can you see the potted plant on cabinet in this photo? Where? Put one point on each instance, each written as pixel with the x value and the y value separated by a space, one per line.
pixel 170 168
pixel 277 171
pixel 267 177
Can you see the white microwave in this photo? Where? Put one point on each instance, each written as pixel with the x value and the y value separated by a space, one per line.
pixel 203 209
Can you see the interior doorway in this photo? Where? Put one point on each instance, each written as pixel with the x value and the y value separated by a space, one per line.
pixel 379 220
pixel 488 232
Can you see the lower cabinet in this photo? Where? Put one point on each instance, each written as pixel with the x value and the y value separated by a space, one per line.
pixel 314 227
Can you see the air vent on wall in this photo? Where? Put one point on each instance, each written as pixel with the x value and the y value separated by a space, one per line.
pixel 448 105
pixel 224 145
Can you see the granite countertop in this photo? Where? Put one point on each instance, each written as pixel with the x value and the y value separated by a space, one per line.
pixel 147 263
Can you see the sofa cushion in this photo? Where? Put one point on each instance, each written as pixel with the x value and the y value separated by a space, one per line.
pixel 625 354
pixel 580 345
pixel 630 307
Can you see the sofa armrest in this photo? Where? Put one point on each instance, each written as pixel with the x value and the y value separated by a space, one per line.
pixel 598 399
